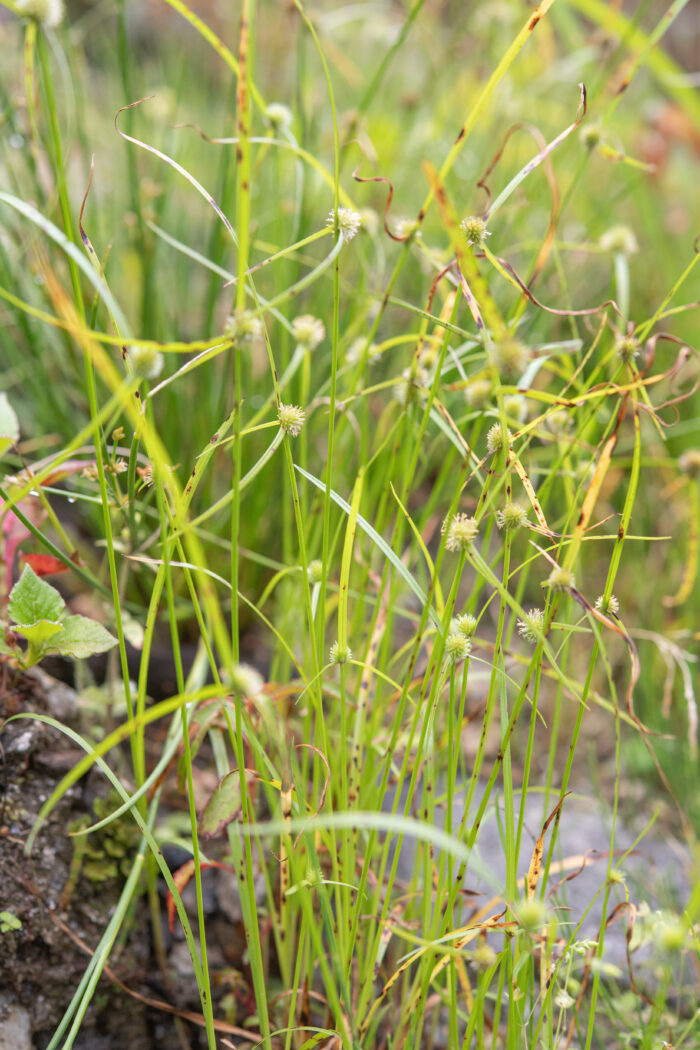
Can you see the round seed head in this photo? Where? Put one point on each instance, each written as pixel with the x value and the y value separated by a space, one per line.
pixel 561 579
pixel 308 331
pixel 315 570
pixel 612 605
pixel 349 222
pixel 494 438
pixel 279 115
pixel 558 421
pixel 457 647
pixel 484 956
pixel 466 624
pixel 563 1000
pixel 515 406
pixel 49 13
pixel 291 419
pixel 672 934
pixel 406 228
pixel 510 357
pixel 513 516
pixel 247 680
pixel 689 462
pixel 532 626
pixel 314 876
pixel 591 136
pixel 340 655
pixel 460 532
pixel 147 361
pixel 474 230
pixel 619 239
pixel 478 393
pixel 357 348
pixel 412 381
pixel 532 914
pixel 627 348
pixel 246 328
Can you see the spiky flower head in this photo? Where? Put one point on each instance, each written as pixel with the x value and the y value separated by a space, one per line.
pixel 48 13
pixel 315 570
pixel 591 136
pixel 474 230
pixel 561 579
pixel 478 393
pixel 412 381
pixel 515 406
pixel 484 956
pixel 671 933
pixel 612 605
pixel 558 421
pixel 147 361
pixel 513 516
pixel 340 655
pixel 314 876
pixel 627 348
pixel 279 115
pixel 689 462
pixel 531 627
pixel 247 680
pixel 466 624
pixel 291 419
pixel 457 647
pixel 619 239
pixel 357 348
pixel 349 222
pixel 460 532
pixel 510 357
pixel 494 438
pixel 244 328
pixel 308 331
pixel 532 914
pixel 406 228
pixel 563 1000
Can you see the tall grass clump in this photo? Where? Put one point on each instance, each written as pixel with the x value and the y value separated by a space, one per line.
pixel 351 351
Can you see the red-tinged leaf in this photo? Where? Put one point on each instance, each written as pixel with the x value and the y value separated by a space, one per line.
pixel 15 532
pixel 65 469
pixel 181 877
pixel 45 564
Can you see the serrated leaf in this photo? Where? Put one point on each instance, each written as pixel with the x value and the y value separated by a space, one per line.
pixel 32 599
pixel 79 639
pixel 39 633
pixel 9 424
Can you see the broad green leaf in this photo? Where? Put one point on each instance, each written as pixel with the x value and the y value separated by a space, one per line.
pixel 33 599
pixel 38 633
pixel 9 424
pixel 80 638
